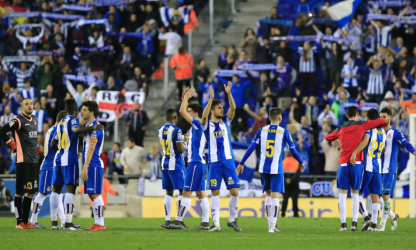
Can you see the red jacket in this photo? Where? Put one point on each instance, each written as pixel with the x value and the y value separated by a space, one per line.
pixel 350 136
pixel 183 66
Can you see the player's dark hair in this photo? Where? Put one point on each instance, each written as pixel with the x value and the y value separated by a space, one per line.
pixel 196 108
pixel 372 114
pixel 170 113
pixel 215 103
pixel 61 115
pixel 387 111
pixel 71 106
pixel 274 113
pixel 92 107
pixel 352 111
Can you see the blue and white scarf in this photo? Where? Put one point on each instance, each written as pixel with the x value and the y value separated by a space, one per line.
pixel 276 22
pixel 93 21
pixel 74 7
pixel 81 78
pixel 60 16
pixel 267 66
pixel 85 48
pixel 166 14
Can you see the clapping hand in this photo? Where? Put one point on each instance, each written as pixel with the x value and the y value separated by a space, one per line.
pixel 227 88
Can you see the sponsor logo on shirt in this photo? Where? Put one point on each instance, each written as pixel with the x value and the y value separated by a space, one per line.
pixel 11 123
pixel 219 134
pixel 33 134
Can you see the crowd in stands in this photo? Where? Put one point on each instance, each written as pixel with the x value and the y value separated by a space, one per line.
pixel 54 50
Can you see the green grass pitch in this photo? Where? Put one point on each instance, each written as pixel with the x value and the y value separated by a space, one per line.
pixel 135 233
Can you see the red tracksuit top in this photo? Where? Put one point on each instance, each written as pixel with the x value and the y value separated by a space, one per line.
pixel 350 136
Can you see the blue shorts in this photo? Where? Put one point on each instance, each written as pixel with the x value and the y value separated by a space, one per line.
pixel 372 181
pixel 223 170
pixel 45 181
pixel 173 179
pixel 65 175
pixel 388 182
pixel 195 177
pixel 350 176
pixel 94 184
pixel 273 182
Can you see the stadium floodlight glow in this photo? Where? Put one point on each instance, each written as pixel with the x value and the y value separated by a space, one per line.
pixel 412 184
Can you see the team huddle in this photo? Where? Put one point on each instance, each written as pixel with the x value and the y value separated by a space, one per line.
pixel 60 165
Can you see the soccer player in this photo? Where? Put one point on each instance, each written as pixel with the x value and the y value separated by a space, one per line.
pixel 272 140
pixel 93 170
pixel 25 135
pixel 66 169
pixel 46 172
pixel 173 166
pixel 221 158
pixel 373 144
pixel 195 173
pixel 389 162
pixel 350 136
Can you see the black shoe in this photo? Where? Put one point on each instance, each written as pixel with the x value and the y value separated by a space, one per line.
pixel 234 225
pixel 203 226
pixel 283 215
pixel 343 227
pixel 354 226
pixel 72 227
pixel 55 225
pixel 166 224
pixel 179 225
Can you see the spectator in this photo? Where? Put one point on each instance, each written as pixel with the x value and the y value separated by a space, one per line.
pixel 7 117
pixel 283 50
pixel 389 102
pixel 204 88
pixel 350 74
pixel 303 24
pixel 96 40
pixel 232 51
pixel 28 91
pixel 375 84
pixel 177 26
pixel 155 159
pixel 264 51
pixel 173 41
pixel 335 62
pixel 137 121
pixel 22 73
pixel 410 105
pixel 182 63
pixel 202 71
pixel 303 127
pixel 5 197
pixel 292 178
pixel 307 68
pixel 327 116
pixel 402 67
pixel 114 162
pixel 242 60
pixel 331 156
pixel 125 63
pixel 46 71
pixel 110 85
pixel 249 44
pixel 138 82
pixel 42 117
pixel 222 58
pixel 282 78
pixel 133 158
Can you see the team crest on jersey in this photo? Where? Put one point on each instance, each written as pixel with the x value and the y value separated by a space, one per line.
pixel 74 121
pixel 230 181
pixel 389 136
pixel 24 187
pixel 12 122
pixel 36 184
pixel 221 122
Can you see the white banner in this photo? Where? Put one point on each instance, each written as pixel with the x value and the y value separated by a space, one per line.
pixel 111 107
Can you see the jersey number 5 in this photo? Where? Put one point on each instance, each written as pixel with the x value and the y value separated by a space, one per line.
pixel 374 146
pixel 167 145
pixel 63 140
pixel 269 146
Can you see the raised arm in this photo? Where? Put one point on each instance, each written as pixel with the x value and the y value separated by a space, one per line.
pixel 360 147
pixel 207 109
pixel 251 113
pixel 187 94
pixel 231 110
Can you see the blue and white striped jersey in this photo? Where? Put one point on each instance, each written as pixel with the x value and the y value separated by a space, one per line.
pixel 394 139
pixel 48 152
pixel 272 140
pixel 219 140
pixel 349 81
pixel 383 36
pixel 94 137
pixel 32 93
pixel 68 142
pixel 169 135
pixel 375 84
pixel 307 66
pixel 374 149
pixel 196 143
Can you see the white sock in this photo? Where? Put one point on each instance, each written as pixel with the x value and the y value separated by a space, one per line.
pixel 215 210
pixel 268 204
pixel 342 206
pixel 54 202
pixel 381 202
pixel 233 207
pixel 355 206
pixel 205 209
pixel 392 215
pixel 386 211
pixel 363 209
pixel 37 205
pixel 98 208
pixel 168 207
pixel 374 216
pixel 61 211
pixel 69 206
pixel 185 204
pixel 178 203
pixel 274 212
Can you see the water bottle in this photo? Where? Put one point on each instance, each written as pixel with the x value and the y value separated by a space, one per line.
pixel 140 188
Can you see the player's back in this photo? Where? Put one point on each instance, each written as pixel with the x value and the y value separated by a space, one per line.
pixel 68 142
pixel 169 135
pixel 48 152
pixel 197 142
pixel 272 140
pixel 94 137
pixel 374 149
